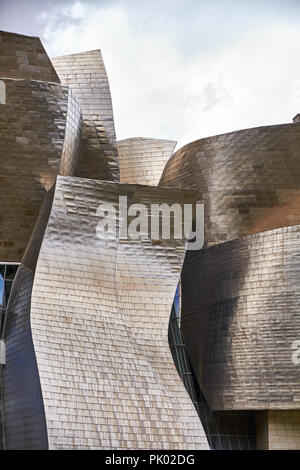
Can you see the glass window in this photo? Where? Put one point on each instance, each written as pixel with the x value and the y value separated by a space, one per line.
pixel 7 275
pixel 1 289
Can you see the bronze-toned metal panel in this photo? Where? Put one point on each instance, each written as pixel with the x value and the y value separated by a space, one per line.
pixel 85 74
pixel 22 410
pixel 99 320
pixel 25 57
pixel 240 319
pixel 142 160
pixel 249 180
pixel 39 137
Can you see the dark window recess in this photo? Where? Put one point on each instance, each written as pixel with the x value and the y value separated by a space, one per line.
pixel 7 274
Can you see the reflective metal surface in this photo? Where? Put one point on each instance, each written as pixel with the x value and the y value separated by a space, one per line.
pixel 86 76
pixel 142 160
pixel 88 364
pixel 25 57
pixel 99 332
pixel 225 430
pixel 249 180
pixel 240 317
pixel 240 314
pixel 23 416
pixel 33 150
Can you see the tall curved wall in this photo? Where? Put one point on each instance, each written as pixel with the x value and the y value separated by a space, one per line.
pixel 22 410
pixel 249 180
pixel 240 294
pixel 86 76
pixel 240 316
pixel 34 121
pixel 25 57
pixel 142 160
pixel 101 330
pixel 71 151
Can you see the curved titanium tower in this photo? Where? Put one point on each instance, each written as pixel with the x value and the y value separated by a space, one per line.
pixel 87 363
pixel 84 352
pixel 240 294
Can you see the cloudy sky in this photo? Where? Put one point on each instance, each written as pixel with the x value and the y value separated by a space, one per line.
pixel 179 69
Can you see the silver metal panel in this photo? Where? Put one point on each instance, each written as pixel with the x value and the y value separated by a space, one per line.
pixel 240 319
pixel 248 180
pixel 86 76
pixel 22 410
pixel 99 320
pixel 39 137
pixel 142 160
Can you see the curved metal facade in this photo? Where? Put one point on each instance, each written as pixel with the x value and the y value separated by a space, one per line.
pixel 249 180
pixel 88 364
pixel 22 410
pixel 86 76
pixel 34 147
pixel 142 160
pixel 241 317
pixel 240 294
pixel 96 319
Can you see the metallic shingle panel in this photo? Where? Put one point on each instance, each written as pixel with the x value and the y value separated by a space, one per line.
pixel 249 180
pixel 71 151
pixel 85 74
pixel 240 298
pixel 23 410
pixel 240 319
pixel 100 328
pixel 25 57
pixel 88 361
pixel 142 160
pixel 33 149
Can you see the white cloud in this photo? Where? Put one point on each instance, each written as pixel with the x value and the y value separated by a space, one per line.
pixel 165 84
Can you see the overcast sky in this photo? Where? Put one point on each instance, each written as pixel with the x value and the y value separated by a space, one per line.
pixel 179 69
